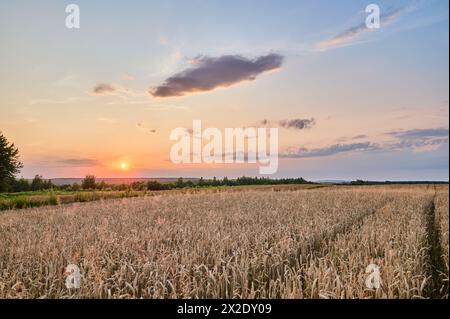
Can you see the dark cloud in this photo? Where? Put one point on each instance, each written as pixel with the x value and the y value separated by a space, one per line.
pixel 210 73
pixel 83 162
pixel 330 150
pixel 298 124
pixel 103 89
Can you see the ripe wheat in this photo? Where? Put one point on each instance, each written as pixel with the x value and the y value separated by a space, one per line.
pixel 312 243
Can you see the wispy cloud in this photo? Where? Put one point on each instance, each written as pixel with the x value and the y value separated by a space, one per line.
pixel 68 80
pixel 76 162
pixel 416 140
pixel 106 89
pixel 419 140
pixel 126 101
pixel 170 107
pixel 349 35
pixel 420 133
pixel 209 73
pixel 66 100
pixel 352 138
pixel 329 150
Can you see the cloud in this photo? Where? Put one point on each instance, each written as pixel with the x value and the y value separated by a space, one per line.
pixel 209 73
pixel 352 138
pixel 352 33
pixel 106 120
pixel 420 133
pixel 141 127
pixel 419 139
pixel 104 89
pixel 329 150
pixel 129 102
pixel 67 100
pixel 416 140
pixel 170 107
pixel 68 81
pixel 357 137
pixel 126 94
pixel 84 162
pixel 298 124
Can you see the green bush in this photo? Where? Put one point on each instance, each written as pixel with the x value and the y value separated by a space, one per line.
pixel 53 199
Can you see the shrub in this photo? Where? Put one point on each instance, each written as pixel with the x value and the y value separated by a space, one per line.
pixel 88 182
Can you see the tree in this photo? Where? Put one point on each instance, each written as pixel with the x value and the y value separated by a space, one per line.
pixel 156 186
pixel 88 182
pixel 359 182
pixel 179 183
pixel 189 184
pixel 21 185
pixel 102 185
pixel 9 163
pixel 201 182
pixel 37 183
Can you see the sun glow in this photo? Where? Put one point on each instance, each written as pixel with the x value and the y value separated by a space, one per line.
pixel 123 166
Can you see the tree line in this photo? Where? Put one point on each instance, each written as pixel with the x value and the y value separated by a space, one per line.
pixel 38 183
pixel 10 166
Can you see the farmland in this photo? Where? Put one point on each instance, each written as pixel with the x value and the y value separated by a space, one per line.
pixel 252 242
pixel 45 198
pixel 29 199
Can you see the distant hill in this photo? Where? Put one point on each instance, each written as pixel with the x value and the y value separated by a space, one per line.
pixel 361 182
pixel 118 181
pixel 332 181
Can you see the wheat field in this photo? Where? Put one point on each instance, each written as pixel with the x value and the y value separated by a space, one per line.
pixel 276 243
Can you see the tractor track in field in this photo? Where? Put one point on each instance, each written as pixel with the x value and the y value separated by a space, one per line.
pixel 318 243
pixel 436 287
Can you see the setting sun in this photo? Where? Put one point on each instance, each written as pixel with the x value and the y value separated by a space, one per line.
pixel 279 150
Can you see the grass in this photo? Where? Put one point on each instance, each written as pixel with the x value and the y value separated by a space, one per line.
pixel 44 198
pixel 22 200
pixel 251 243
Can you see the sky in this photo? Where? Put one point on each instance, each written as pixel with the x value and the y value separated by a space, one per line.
pixel 349 102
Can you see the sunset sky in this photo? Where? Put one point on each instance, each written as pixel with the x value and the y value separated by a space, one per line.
pixel 349 103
